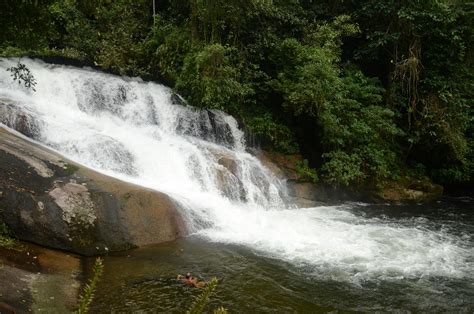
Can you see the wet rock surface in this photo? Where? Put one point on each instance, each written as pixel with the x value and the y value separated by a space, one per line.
pixel 306 191
pixel 205 124
pixel 19 118
pixel 36 279
pixel 49 200
pixel 283 166
pixel 301 193
pixel 416 191
pixel 228 174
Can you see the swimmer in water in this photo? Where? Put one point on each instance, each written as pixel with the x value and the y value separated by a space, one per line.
pixel 191 281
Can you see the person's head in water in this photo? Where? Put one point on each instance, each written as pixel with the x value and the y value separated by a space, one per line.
pixel 188 275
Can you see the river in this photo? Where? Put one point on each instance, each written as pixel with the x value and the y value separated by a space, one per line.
pixel 255 281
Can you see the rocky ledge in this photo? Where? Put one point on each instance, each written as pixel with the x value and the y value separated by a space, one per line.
pixel 308 194
pixel 415 191
pixel 49 200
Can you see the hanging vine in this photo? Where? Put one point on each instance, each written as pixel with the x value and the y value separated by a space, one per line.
pixel 408 72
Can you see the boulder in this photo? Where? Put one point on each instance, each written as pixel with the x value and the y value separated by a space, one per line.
pixel 307 191
pixel 415 191
pixel 208 124
pixel 301 193
pixel 49 200
pixel 228 177
pixel 283 166
pixel 18 118
pixel 230 185
pixel 229 163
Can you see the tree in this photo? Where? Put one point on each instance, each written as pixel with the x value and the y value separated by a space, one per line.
pixel 209 79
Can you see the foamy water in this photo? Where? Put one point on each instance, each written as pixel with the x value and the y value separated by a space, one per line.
pixel 133 130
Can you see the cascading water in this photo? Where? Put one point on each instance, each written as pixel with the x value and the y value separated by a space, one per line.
pixel 138 132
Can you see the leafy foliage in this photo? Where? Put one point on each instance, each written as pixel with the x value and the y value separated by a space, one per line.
pixel 424 49
pixel 310 73
pixel 201 301
pixel 365 89
pixel 208 79
pixel 6 241
pixel 307 84
pixel 88 291
pixel 277 135
pixel 358 132
pixel 220 310
pixel 305 172
pixel 22 74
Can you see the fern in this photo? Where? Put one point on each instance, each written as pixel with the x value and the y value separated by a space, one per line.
pixel 220 310
pixel 89 289
pixel 202 300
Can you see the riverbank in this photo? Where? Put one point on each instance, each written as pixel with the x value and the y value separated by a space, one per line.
pixel 307 193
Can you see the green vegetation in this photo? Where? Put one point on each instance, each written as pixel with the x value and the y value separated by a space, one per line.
pixel 306 173
pixel 22 74
pixel 6 241
pixel 365 90
pixel 88 291
pixel 201 301
pixel 69 170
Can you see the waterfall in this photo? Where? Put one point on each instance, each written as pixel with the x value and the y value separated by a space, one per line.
pixel 143 133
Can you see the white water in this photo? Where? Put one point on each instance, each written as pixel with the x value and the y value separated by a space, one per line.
pixel 132 130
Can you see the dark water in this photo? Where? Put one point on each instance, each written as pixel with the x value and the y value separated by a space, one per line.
pixel 144 280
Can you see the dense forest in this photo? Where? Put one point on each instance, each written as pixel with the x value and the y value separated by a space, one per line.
pixel 365 90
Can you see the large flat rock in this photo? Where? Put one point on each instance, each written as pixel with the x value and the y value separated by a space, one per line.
pixel 50 200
